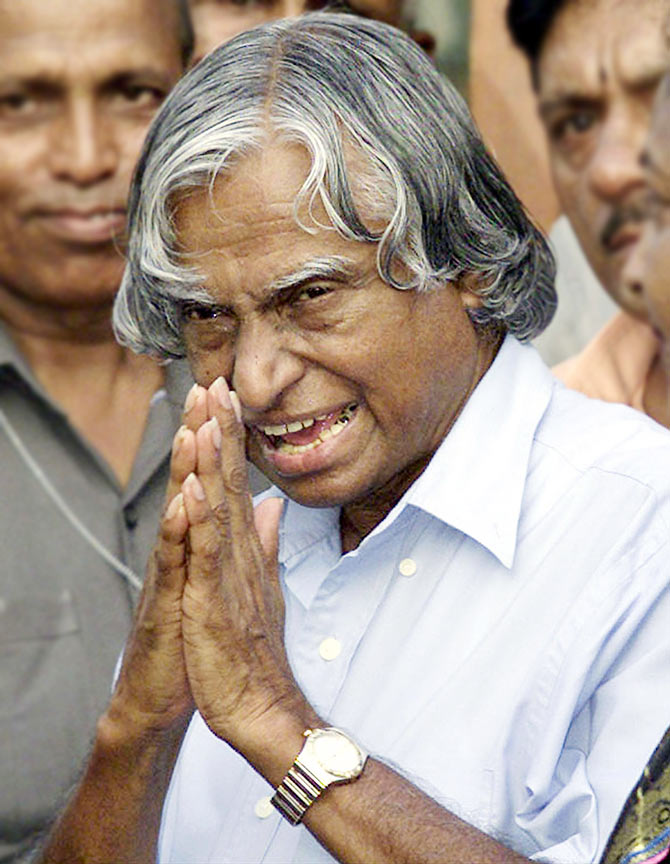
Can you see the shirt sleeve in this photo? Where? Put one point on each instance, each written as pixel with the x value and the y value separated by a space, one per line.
pixel 578 782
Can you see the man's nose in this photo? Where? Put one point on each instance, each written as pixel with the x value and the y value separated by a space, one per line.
pixel 83 147
pixel 291 8
pixel 264 366
pixel 615 168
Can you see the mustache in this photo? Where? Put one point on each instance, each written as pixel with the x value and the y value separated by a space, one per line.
pixel 633 213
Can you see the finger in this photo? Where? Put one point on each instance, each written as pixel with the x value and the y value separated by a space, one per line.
pixel 208 464
pixel 234 472
pixel 267 515
pixel 209 440
pixel 182 461
pixel 205 536
pixel 166 570
pixel 195 408
pixel 170 556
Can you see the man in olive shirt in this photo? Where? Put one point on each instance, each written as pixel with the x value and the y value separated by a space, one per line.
pixel 85 426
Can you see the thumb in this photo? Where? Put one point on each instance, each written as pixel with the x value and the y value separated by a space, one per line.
pixel 266 518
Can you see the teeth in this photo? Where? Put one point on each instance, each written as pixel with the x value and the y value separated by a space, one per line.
pixel 297 425
pixel 284 428
pixel 331 432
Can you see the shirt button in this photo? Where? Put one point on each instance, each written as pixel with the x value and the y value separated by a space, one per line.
pixel 130 517
pixel 264 808
pixel 330 648
pixel 407 567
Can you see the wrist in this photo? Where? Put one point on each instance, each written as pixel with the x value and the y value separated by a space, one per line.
pixel 123 727
pixel 329 757
pixel 272 742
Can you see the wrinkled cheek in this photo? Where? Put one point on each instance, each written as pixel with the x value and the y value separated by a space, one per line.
pixel 208 364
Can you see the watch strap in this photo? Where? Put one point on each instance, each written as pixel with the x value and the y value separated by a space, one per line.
pixel 296 793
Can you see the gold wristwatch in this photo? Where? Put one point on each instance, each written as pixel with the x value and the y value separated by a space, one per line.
pixel 328 756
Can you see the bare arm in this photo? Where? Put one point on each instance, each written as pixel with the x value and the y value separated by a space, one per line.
pixel 114 813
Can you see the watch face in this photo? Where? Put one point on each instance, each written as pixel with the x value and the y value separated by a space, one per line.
pixel 336 753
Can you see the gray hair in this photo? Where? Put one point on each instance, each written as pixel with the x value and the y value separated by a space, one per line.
pixel 327 80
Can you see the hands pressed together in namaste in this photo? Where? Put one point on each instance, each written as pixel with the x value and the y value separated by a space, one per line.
pixel 209 629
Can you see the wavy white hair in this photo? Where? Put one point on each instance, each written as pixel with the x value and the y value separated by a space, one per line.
pixel 328 81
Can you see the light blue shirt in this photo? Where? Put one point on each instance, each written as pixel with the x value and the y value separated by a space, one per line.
pixel 502 638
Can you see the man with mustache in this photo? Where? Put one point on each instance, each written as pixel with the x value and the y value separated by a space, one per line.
pixel 642 834
pixel 85 426
pixel 595 67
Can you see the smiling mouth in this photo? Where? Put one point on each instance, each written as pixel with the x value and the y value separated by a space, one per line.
pixel 303 435
pixel 94 226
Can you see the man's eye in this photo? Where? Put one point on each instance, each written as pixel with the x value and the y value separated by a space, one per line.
pixel 574 124
pixel 200 312
pixel 311 292
pixel 16 105
pixel 140 95
pixel 580 122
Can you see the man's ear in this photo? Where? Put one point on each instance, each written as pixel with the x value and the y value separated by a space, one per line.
pixel 469 291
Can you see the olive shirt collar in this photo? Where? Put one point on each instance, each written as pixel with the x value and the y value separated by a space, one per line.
pixel 162 422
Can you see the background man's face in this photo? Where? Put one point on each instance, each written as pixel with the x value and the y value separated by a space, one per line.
pixel 79 83
pixel 598 70
pixel 648 269
pixel 217 21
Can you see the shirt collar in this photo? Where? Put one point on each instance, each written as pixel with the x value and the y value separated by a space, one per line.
pixel 12 359
pixel 476 480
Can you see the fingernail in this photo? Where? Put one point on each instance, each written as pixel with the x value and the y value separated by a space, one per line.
pixel 235 402
pixel 190 398
pixel 179 438
pixel 174 506
pixel 215 432
pixel 194 486
pixel 220 390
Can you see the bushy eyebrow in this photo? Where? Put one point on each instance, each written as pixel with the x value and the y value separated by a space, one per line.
pixel 333 267
pixel 567 102
pixel 577 94
pixel 53 81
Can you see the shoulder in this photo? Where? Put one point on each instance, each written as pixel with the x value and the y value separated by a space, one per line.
pixel 592 433
pixel 615 363
pixel 605 464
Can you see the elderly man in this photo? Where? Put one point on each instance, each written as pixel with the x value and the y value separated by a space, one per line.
pixel 85 426
pixel 595 67
pixel 463 569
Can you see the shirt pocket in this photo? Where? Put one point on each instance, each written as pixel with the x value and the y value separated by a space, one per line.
pixel 24 619
pixel 44 713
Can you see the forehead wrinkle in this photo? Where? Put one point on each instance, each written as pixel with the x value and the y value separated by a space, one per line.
pixel 111 60
pixel 627 48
